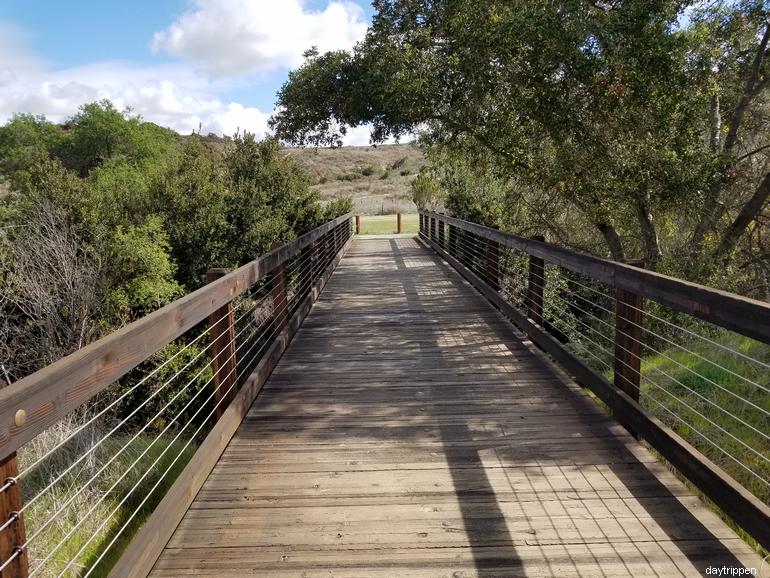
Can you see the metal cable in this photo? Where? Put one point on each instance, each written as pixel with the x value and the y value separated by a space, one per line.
pixel 260 301
pixel 270 329
pixel 95 476
pixel 747 380
pixel 679 400
pixel 679 327
pixel 131 390
pixel 671 377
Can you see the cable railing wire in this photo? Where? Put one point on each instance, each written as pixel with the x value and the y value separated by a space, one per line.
pixel 136 461
pixel 673 343
pixel 300 284
pixel 484 256
pixel 680 401
pixel 678 382
pixel 136 410
pixel 133 388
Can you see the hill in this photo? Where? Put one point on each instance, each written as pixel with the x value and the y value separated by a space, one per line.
pixel 376 178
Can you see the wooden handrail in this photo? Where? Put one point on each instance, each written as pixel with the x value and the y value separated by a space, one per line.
pixel 36 402
pixel 743 315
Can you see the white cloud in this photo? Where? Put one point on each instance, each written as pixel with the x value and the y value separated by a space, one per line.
pixel 357 136
pixel 231 37
pixel 169 95
pixel 223 36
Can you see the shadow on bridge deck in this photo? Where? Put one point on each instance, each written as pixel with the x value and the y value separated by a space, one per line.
pixel 409 430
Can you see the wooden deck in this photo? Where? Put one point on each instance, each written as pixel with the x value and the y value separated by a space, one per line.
pixel 409 430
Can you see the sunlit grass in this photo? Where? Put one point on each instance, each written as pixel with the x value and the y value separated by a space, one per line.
pixel 386 224
pixel 79 509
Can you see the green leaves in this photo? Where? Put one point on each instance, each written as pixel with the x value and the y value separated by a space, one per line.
pixel 151 210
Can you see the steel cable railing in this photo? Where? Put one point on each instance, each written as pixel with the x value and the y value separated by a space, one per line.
pixel 157 391
pixel 719 403
pixel 71 515
pixel 472 252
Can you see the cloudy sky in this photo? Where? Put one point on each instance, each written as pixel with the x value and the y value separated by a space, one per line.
pixel 213 64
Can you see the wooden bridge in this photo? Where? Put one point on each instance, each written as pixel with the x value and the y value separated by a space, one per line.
pixel 404 426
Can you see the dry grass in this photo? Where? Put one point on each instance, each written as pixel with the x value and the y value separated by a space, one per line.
pixel 377 179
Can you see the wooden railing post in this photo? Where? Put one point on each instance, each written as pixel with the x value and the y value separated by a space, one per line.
pixel 536 280
pixel 358 224
pixel 398 223
pixel 12 537
pixel 280 299
pixel 452 230
pixel 222 335
pixel 441 233
pixel 628 345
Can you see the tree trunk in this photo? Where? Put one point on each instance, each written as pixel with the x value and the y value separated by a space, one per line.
pixel 649 230
pixel 715 123
pixel 753 84
pixel 748 213
pixel 612 239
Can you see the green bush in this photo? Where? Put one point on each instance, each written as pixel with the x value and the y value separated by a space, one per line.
pixel 352 176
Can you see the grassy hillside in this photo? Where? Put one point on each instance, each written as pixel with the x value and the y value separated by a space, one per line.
pixel 376 178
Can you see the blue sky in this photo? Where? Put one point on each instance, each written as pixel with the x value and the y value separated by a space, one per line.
pixel 213 64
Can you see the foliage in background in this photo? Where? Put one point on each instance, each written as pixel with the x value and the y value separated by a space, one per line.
pixel 108 218
pixel 646 123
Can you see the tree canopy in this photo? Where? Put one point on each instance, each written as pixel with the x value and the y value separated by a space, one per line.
pixel 647 118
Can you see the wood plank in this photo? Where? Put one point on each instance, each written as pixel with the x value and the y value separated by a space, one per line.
pixel 401 435
pixel 746 509
pixel 145 548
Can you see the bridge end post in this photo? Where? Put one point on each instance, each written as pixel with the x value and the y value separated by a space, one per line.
pixel 358 224
pixel 222 335
pixel 398 223
pixel 13 558
pixel 628 345
pixel 536 285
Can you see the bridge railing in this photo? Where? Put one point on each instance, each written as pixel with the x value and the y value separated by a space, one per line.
pixel 682 366
pixel 91 445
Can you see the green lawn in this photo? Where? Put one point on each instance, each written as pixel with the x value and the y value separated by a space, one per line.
pixel 386 224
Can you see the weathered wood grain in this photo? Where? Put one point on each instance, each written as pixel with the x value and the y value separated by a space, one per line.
pixel 742 506
pixel 408 430
pixel 138 559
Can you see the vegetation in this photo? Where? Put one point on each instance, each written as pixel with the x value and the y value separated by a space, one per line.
pixel 103 220
pixel 386 224
pixel 74 536
pixel 625 129
pixel 108 218
pixel 385 190
pixel 710 379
